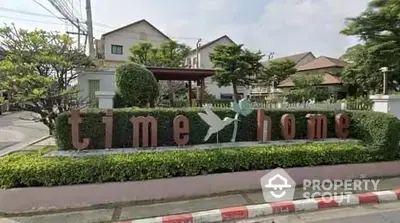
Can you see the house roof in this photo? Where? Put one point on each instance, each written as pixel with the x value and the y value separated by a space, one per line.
pixel 295 57
pixel 133 24
pixel 328 79
pixel 212 42
pixel 321 62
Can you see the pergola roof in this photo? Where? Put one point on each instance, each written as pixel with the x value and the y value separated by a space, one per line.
pixel 180 73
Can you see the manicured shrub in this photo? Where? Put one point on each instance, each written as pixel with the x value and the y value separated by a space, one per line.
pixel 136 84
pixel 378 130
pixel 31 169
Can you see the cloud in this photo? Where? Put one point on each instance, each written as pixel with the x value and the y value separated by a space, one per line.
pixel 283 26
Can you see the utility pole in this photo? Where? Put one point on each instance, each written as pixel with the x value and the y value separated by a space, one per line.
pixel 197 52
pixel 79 34
pixel 89 24
pixel 271 55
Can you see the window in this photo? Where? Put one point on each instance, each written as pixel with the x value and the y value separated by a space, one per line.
pixel 226 96
pixel 116 49
pixel 143 36
pixel 94 85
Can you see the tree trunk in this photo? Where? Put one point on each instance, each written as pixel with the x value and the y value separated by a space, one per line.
pixel 235 93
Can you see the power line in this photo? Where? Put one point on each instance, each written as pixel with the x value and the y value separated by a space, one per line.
pixel 28 13
pixel 29 20
pixel 46 9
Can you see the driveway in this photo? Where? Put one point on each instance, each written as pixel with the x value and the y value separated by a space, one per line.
pixel 16 131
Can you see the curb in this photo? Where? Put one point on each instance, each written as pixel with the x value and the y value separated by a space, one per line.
pixel 23 146
pixel 262 210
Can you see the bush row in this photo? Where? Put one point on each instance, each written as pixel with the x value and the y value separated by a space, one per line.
pixel 379 130
pixel 23 170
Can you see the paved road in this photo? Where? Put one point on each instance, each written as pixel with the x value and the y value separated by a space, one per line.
pixel 15 132
pixel 378 213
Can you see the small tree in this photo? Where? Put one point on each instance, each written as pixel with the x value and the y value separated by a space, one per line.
pixel 277 71
pixel 137 85
pixel 235 66
pixel 40 70
pixel 307 87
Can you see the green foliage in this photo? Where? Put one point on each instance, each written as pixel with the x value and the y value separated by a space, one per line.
pixel 169 54
pixel 307 87
pixel 378 27
pixel 235 66
pixel 136 85
pixel 39 70
pixel 31 169
pixel 377 129
pixel 278 70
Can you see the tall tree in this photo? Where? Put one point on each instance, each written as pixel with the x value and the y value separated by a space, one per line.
pixel 361 73
pixel 235 66
pixel 378 26
pixel 277 71
pixel 40 71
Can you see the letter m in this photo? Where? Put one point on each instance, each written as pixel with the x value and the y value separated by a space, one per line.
pixel 317 126
pixel 141 125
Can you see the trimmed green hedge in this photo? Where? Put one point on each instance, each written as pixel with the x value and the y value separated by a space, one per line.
pixel 378 130
pixel 31 169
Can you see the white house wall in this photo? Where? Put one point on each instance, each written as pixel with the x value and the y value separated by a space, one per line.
pixel 128 37
pixel 205 63
pixel 107 82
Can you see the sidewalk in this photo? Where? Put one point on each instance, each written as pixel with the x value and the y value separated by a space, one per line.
pixel 126 212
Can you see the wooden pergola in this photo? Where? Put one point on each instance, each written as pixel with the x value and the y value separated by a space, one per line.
pixel 185 74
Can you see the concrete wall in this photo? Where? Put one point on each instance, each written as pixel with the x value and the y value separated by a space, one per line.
pixel 107 82
pixel 128 37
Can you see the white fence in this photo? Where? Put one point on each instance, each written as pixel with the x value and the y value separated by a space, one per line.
pixel 313 106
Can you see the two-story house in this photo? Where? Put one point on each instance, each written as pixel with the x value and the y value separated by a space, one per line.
pixel 329 68
pixel 202 54
pixel 114 49
pixel 114 46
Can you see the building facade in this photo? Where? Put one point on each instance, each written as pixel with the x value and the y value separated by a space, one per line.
pixel 204 62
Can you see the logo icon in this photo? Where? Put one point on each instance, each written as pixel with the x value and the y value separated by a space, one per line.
pixel 277 185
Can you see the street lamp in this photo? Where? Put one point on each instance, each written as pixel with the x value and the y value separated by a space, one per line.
pixel 384 70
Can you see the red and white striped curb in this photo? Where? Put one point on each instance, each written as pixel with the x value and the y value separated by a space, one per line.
pixel 254 211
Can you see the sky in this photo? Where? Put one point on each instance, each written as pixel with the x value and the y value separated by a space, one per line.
pixel 281 26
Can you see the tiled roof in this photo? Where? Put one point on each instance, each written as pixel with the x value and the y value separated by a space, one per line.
pixel 132 24
pixel 328 79
pixel 295 58
pixel 321 62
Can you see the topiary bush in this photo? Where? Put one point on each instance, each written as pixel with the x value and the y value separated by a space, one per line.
pixel 136 85
pixel 378 130
pixel 31 169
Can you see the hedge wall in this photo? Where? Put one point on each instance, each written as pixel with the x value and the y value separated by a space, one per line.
pixel 31 169
pixel 378 130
